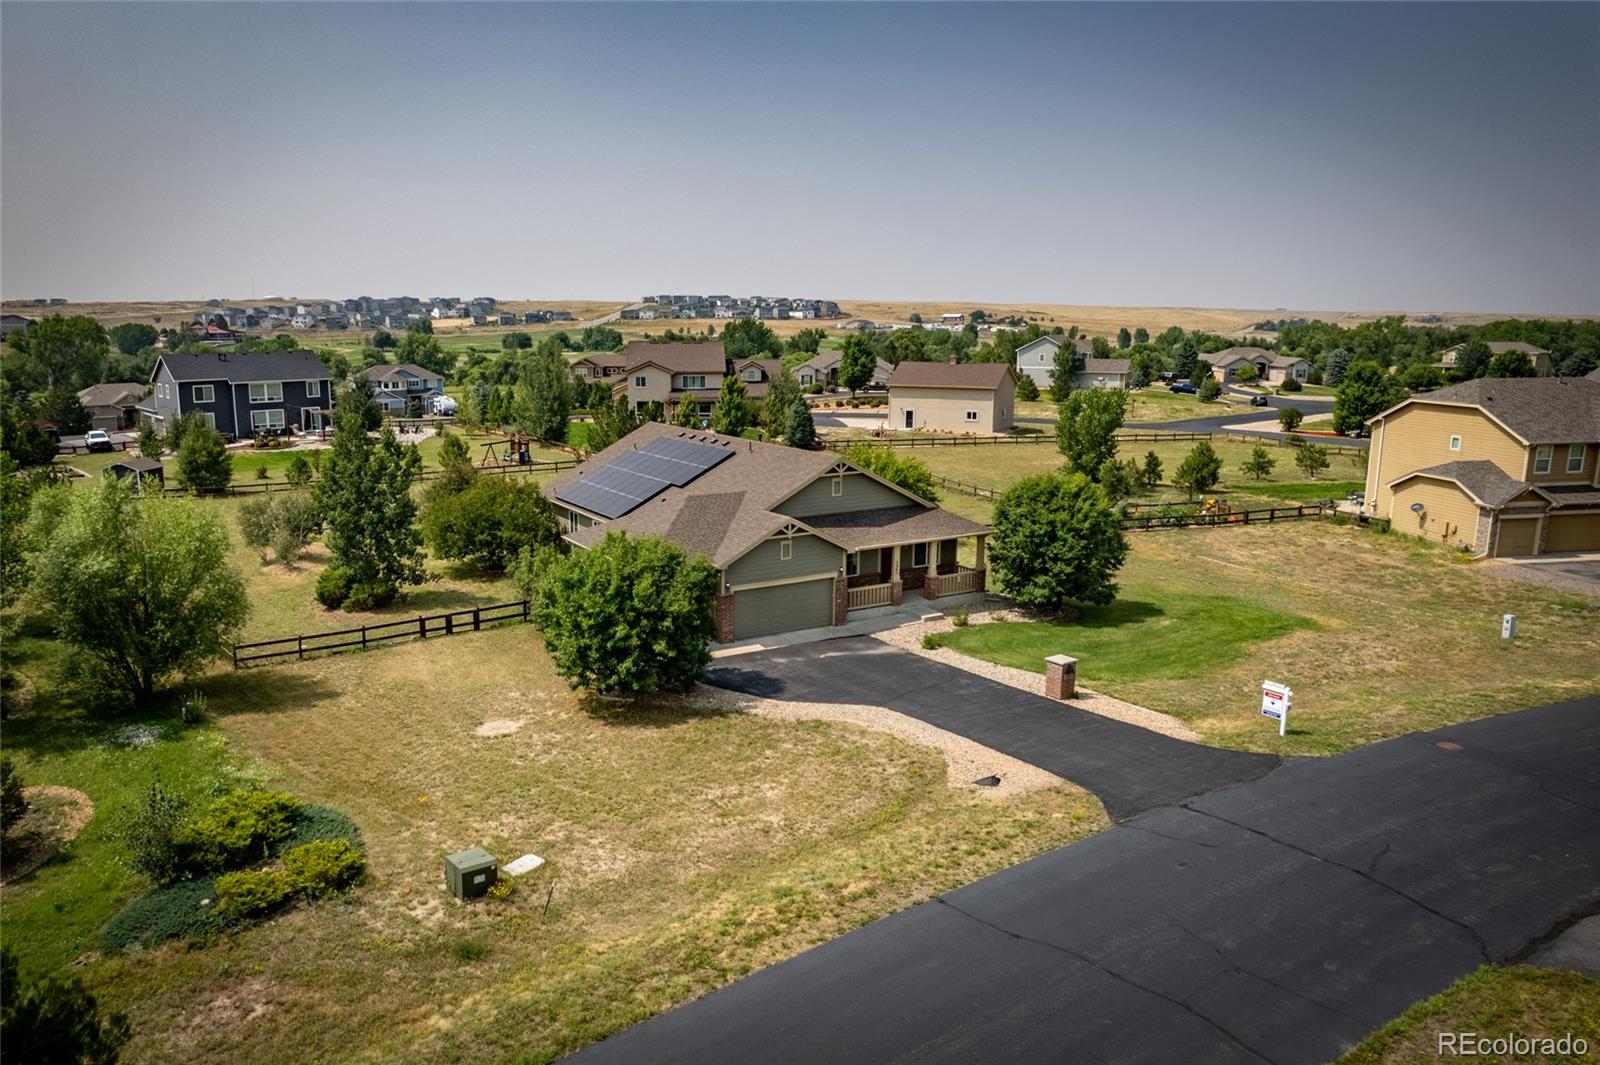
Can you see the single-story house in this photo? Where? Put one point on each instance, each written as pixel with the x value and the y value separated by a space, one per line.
pixel 113 406
pixel 823 369
pixel 1492 466
pixel 136 468
pixel 1271 368
pixel 1037 358
pixel 801 539
pixel 971 397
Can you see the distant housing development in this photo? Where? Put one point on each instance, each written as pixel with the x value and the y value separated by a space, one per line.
pixel 764 307
pixel 1493 466
pixel 367 312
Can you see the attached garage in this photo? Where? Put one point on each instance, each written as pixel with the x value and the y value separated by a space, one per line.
pixel 783 607
pixel 1573 532
pixel 1518 536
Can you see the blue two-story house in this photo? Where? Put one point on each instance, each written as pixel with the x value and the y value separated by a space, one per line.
pixel 241 394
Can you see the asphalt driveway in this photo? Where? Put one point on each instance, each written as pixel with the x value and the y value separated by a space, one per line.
pixel 1278 920
pixel 1129 768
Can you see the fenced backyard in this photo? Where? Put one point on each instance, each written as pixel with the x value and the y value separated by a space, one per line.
pixel 256 487
pixel 422 627
pixel 841 443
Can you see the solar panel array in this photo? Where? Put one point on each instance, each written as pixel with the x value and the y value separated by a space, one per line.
pixel 635 477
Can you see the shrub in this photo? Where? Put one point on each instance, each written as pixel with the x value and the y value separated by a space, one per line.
pixel 333 587
pixel 370 595
pixel 470 950
pixel 13 804
pixel 252 891
pixel 186 910
pixel 314 823
pixel 1289 419
pixel 261 472
pixel 152 831
pixel 486 523
pixel 238 828
pixel 960 618
pixel 56 1020
pixel 315 869
pixel 299 472
pixel 1290 384
pixel 283 521
pixel 1210 389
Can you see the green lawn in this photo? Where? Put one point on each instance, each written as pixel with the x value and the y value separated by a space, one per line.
pixel 1491 1002
pixel 1154 404
pixel 1296 492
pixel 1179 635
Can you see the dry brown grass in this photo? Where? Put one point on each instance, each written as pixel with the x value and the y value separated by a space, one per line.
pixel 685 848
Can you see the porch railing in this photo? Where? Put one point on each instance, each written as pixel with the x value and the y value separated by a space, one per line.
pixel 870 595
pixel 960 582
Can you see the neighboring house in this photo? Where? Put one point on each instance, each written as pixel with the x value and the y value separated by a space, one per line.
pixel 801 539
pixel 1037 357
pixel 113 406
pixel 1497 467
pixel 757 375
pixel 397 388
pixel 670 374
pixel 823 369
pixel 973 397
pixel 600 366
pixel 1271 368
pixel 1540 357
pixel 1103 373
pixel 13 323
pixel 241 393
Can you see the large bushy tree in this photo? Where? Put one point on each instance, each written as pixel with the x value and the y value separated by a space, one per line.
pixel 65 351
pixel 143 588
pixel 1057 542
pixel 133 337
pixel 421 347
pixel 55 1021
pixel 1505 364
pixel 61 406
pixel 486 524
pixel 364 495
pixel 858 360
pixel 631 614
pixel 1087 421
pixel 750 338
pixel 782 390
pixel 544 394
pixel 1366 391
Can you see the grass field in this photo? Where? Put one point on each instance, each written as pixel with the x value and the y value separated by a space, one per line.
pixel 1491 1002
pixel 1150 405
pixel 684 849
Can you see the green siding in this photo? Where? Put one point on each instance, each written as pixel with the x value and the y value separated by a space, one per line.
pixel 782 608
pixel 860 493
pixel 762 563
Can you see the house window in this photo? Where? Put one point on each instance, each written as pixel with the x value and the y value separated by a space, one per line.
pixel 266 392
pixel 852 564
pixel 1575 458
pixel 1455 443
pixel 266 419
pixel 313 388
pixel 919 555
pixel 211 419
pixel 786 550
pixel 694 381
pixel 752 375
pixel 641 381
pixel 205 394
pixel 1542 457
pixel 572 521
pixel 972 415
pixel 838 486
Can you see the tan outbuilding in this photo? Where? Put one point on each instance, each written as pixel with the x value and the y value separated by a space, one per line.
pixel 973 397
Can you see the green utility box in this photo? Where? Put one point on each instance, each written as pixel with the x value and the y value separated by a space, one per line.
pixel 470 874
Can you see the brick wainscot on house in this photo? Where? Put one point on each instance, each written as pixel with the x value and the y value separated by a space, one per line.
pixel 802 539
pixel 1495 466
pixel 241 393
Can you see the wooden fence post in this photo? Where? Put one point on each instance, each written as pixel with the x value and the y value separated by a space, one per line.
pixel 300 646
pixel 422 627
pixel 476 620
pixel 449 624
pixel 363 637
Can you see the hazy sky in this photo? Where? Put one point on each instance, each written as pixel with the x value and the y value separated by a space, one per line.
pixel 1365 156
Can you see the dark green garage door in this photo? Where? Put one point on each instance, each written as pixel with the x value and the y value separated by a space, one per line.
pixel 782 608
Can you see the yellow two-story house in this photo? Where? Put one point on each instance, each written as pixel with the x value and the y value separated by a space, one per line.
pixel 1496 467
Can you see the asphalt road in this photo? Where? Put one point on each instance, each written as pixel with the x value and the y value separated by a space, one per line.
pixel 1129 768
pixel 1279 920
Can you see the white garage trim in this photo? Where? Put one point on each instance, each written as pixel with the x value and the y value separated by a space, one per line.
pixel 748 586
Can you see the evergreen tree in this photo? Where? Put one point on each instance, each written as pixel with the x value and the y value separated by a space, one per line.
pixel 543 395
pixel 1200 470
pixel 1151 473
pixel 1124 338
pixel 1259 465
pixel 687 414
pixel 782 390
pixel 800 430
pixel 1336 365
pixel 731 415
pixel 203 459
pixel 365 496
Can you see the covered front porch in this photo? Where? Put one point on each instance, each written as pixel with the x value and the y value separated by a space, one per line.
pixel 897 552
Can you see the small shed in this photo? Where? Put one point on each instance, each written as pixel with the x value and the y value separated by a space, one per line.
pixel 137 468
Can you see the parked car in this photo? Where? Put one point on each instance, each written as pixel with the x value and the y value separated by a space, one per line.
pixel 442 405
pixel 1182 387
pixel 97 440
pixel 1259 401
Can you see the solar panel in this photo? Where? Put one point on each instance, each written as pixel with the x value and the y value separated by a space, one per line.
pixel 635 477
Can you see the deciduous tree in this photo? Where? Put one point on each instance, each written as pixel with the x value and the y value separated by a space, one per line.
pixel 1199 471
pixel 364 495
pixel 1367 390
pixel 858 361
pixel 543 395
pixel 1260 463
pixel 902 470
pixel 1057 542
pixel 486 524
pixel 1087 421
pixel 1311 458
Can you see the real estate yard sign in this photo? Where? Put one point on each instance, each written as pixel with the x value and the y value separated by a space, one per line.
pixel 1275 702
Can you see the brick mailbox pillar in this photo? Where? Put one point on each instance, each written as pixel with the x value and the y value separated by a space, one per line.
pixel 1060 677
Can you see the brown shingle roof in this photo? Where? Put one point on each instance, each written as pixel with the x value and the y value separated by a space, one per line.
pixel 1541 410
pixel 1483 479
pixel 1121 366
pixel 949 375
pixel 705 357
pixel 859 529
pixel 114 394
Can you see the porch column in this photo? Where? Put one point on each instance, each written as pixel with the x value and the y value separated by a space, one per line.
pixel 895 588
pixel 930 575
pixel 981 575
